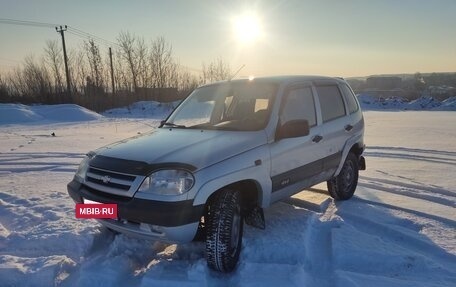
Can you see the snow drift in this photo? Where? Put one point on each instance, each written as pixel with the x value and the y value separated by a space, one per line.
pixel 143 109
pixel 424 103
pixel 18 113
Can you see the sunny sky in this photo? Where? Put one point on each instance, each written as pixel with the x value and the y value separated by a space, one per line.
pixel 336 38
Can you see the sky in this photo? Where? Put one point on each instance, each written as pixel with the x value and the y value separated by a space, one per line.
pixel 321 37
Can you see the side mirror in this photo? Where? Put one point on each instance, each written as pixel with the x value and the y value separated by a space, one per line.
pixel 293 129
pixel 162 122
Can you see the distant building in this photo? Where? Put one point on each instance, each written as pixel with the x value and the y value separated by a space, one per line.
pixel 383 83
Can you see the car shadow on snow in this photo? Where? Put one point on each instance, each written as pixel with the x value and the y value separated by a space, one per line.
pixel 349 243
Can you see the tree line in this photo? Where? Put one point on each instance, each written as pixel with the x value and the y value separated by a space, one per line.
pixel 137 65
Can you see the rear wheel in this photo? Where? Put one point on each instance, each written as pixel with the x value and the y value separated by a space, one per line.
pixel 342 187
pixel 224 228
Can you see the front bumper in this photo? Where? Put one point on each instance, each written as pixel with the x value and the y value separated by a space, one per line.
pixel 168 221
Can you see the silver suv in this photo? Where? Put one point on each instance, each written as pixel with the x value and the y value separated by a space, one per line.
pixel 226 152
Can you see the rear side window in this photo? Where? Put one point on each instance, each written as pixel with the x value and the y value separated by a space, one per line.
pixel 350 99
pixel 331 103
pixel 299 105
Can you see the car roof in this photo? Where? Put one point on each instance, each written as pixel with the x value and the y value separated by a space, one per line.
pixel 283 80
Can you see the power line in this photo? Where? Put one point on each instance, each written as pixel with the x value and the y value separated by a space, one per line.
pixel 89 35
pixel 82 36
pixel 72 30
pixel 27 23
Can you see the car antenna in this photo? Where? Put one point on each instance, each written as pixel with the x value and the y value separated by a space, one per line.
pixel 234 75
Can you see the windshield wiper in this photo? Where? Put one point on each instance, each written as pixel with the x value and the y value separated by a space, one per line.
pixel 174 125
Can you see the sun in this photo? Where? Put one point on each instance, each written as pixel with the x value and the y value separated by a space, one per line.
pixel 247 28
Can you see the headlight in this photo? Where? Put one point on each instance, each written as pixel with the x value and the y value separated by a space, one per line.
pixel 168 182
pixel 82 169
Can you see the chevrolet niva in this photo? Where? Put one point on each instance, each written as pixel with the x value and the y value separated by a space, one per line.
pixel 228 151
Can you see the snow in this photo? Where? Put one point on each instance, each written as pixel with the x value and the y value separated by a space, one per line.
pixel 448 104
pixel 398 230
pixel 47 114
pixel 143 109
pixel 18 113
pixel 425 102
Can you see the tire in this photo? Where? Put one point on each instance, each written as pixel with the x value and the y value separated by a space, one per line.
pixel 224 227
pixel 342 187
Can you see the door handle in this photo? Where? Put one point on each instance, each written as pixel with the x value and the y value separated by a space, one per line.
pixel 348 128
pixel 317 138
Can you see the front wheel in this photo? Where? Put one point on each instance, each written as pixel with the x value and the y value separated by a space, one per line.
pixel 342 187
pixel 224 229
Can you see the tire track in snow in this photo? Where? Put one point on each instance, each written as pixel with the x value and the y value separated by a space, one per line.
pixel 119 260
pixel 414 150
pixel 413 186
pixel 32 162
pixel 318 246
pixel 408 192
pixel 415 154
pixel 383 239
pixel 402 232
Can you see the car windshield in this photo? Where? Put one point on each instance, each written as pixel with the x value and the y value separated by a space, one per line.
pixel 241 106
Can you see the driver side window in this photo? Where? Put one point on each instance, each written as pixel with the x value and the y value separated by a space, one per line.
pixel 299 105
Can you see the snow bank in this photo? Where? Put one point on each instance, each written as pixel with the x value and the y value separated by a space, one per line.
pixel 18 113
pixel 424 103
pixel 143 109
pixel 448 105
pixel 370 102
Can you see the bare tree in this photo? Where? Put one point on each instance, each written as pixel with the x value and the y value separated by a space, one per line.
pixel 121 72
pixel 127 51
pixel 144 73
pixel 186 81
pixel 95 63
pixel 4 91
pixel 38 84
pixel 16 82
pixel 162 64
pixel 54 60
pixel 217 70
pixel 80 71
pixel 137 63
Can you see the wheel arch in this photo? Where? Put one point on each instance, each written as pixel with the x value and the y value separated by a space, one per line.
pixel 355 145
pixel 250 189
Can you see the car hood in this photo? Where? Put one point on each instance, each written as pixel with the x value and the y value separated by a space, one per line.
pixel 197 148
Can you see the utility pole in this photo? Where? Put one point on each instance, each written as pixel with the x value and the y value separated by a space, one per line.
pixel 112 72
pixel 65 58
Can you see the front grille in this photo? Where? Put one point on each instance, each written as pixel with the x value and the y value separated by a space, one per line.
pixel 112 174
pixel 112 182
pixel 107 196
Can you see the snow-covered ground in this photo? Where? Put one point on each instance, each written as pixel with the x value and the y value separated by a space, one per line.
pixel 18 113
pixel 398 230
pixel 427 103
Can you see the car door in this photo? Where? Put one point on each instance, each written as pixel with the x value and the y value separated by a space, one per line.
pixel 295 161
pixel 336 126
pixel 356 117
